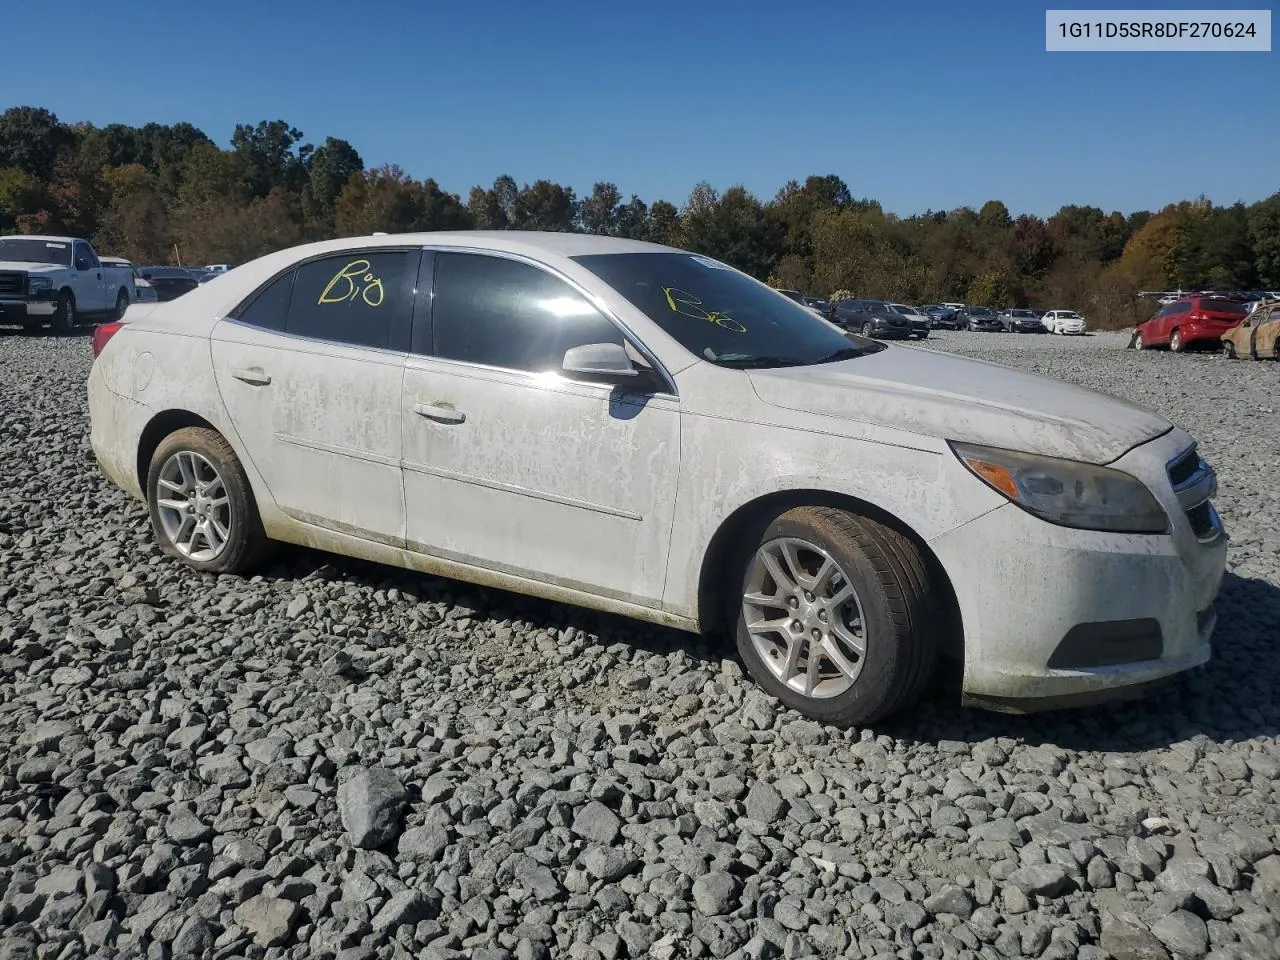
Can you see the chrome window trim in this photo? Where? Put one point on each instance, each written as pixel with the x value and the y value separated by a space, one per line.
pixel 628 334
pixel 340 344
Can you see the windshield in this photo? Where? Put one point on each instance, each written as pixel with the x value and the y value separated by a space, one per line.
pixel 903 308
pixel 1068 315
pixel 1021 313
pixel 980 312
pixel 720 314
pixel 26 250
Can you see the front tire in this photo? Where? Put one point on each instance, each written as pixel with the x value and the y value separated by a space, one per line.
pixel 866 330
pixel 1229 350
pixel 836 615
pixel 1176 343
pixel 63 320
pixel 202 508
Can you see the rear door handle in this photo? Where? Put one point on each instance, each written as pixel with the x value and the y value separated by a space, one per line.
pixel 253 375
pixel 440 412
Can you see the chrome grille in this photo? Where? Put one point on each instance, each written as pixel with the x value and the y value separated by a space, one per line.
pixel 12 282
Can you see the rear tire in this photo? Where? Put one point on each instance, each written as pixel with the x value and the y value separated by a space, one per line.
pixel 890 608
pixel 122 304
pixel 196 478
pixel 1229 350
pixel 866 330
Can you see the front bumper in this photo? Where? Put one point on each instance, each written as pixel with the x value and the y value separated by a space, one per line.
pixel 1074 330
pixel 21 310
pixel 1055 616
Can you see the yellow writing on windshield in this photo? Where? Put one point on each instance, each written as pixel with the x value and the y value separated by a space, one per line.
pixel 686 304
pixel 354 280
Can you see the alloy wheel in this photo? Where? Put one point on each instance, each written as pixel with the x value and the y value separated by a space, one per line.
pixel 194 508
pixel 804 617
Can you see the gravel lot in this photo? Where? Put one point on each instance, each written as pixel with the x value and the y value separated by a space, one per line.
pixel 337 759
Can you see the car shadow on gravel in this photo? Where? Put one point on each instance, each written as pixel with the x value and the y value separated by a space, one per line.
pixel 1233 697
pixel 299 564
pixel 1230 698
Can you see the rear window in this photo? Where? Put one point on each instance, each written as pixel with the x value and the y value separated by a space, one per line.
pixel 1223 306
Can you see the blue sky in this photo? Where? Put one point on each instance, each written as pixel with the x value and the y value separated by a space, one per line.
pixel 919 105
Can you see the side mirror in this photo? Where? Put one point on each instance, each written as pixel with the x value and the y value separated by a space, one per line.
pixel 604 362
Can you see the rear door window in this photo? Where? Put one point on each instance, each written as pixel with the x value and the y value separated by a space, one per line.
pixel 361 298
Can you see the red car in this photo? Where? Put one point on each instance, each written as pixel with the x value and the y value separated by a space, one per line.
pixel 1190 321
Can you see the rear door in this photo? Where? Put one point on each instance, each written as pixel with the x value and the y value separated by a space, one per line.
pixel 310 371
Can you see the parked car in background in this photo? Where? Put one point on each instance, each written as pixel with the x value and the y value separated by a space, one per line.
pixel 1193 321
pixel 169 282
pixel 1257 336
pixel 142 290
pixel 817 303
pixel 58 282
pixel 722 462
pixel 871 318
pixel 1064 322
pixel 979 319
pixel 919 320
pixel 801 299
pixel 218 267
pixel 1019 320
pixel 940 317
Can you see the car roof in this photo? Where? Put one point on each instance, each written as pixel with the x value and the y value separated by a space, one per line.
pixel 40 236
pixel 530 242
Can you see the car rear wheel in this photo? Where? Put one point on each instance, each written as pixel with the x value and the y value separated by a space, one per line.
pixel 834 616
pixel 201 505
pixel 1229 350
pixel 122 304
pixel 1175 342
pixel 866 329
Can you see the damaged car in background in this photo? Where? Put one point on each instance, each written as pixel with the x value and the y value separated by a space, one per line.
pixel 638 429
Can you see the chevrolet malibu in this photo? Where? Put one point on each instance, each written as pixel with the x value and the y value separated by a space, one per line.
pixel 642 430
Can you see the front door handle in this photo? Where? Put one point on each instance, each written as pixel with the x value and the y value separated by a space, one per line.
pixel 253 375
pixel 439 412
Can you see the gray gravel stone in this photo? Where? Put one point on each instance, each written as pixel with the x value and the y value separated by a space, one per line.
pixel 715 893
pixel 269 920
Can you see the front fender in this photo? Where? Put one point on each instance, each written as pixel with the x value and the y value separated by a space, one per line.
pixel 730 465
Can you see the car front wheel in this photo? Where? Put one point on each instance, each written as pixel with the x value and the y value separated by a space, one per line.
pixel 202 508
pixel 1176 343
pixel 834 616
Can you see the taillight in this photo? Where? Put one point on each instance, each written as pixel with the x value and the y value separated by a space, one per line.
pixel 103 333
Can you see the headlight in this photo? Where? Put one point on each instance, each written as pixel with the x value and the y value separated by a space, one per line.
pixel 37 284
pixel 1066 492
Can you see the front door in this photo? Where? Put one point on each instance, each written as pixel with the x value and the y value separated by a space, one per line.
pixel 508 465
pixel 311 374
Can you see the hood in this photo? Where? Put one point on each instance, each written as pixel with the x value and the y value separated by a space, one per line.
pixel 29 267
pixel 957 398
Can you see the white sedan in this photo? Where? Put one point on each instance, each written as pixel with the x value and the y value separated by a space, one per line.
pixel 1066 322
pixel 643 430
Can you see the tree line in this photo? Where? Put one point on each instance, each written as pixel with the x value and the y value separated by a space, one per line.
pixel 160 192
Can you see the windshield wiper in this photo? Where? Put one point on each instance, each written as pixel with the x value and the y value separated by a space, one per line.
pixel 846 353
pixel 743 362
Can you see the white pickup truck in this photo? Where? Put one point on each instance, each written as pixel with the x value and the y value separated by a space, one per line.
pixel 59 281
